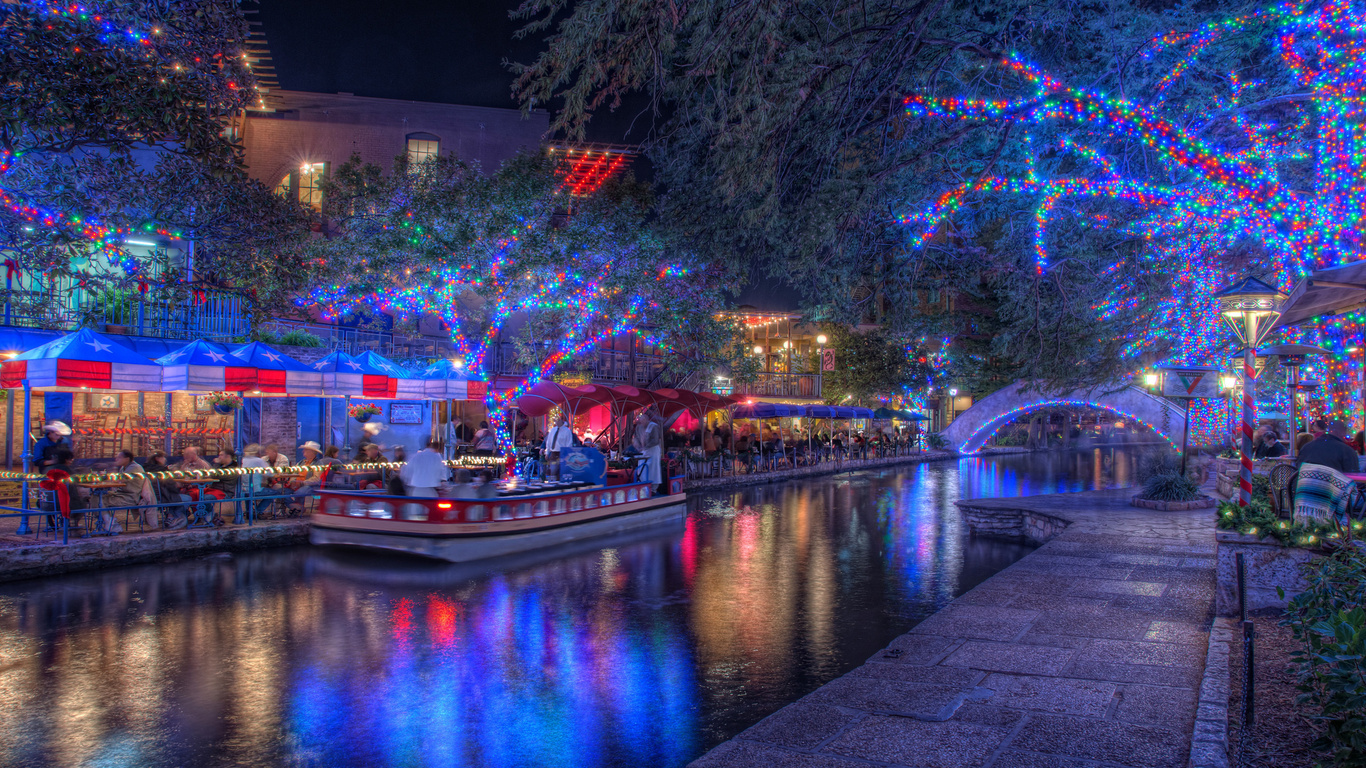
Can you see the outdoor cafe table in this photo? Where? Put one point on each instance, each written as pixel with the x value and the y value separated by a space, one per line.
pixel 202 506
pixel 97 489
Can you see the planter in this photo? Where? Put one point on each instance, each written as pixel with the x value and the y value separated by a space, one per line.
pixel 1267 565
pixel 116 329
pixel 1204 502
pixel 363 419
pixel 223 410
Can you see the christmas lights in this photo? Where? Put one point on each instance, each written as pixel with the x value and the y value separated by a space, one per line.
pixel 1201 198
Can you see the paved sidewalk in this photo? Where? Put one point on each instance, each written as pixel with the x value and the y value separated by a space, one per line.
pixel 1086 653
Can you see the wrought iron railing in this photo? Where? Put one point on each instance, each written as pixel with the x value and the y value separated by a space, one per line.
pixel 214 315
pixel 802 385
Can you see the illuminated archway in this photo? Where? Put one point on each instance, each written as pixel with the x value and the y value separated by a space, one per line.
pixel 970 430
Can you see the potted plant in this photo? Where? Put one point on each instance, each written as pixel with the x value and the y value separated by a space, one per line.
pixel 225 402
pixel 363 411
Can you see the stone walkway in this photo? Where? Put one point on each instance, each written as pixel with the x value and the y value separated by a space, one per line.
pixel 1086 653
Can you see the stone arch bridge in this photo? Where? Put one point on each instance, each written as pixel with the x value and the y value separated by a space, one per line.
pixel 971 428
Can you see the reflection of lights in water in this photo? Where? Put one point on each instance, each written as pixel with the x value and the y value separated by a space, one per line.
pixel 637 657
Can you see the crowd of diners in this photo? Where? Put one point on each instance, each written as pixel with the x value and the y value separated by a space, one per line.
pixel 1324 442
pixel 271 483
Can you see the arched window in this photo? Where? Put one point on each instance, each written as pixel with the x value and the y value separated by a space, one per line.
pixel 421 147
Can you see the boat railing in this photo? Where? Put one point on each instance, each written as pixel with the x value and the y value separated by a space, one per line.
pixel 360 504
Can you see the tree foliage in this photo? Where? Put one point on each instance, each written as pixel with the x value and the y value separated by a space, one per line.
pixel 507 257
pixel 869 365
pixel 778 133
pixel 112 123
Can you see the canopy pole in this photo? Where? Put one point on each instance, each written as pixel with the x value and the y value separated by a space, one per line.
pixel 9 430
pixel 23 490
pixel 346 417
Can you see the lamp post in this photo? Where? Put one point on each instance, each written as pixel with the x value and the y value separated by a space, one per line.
pixel 1251 309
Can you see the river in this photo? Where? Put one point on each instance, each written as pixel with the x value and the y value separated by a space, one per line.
pixel 640 652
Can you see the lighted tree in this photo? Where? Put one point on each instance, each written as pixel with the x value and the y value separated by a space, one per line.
pixel 113 123
pixel 500 258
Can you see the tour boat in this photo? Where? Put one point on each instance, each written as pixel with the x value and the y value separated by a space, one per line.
pixel 518 519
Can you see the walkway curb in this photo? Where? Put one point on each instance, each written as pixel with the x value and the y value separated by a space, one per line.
pixel 30 560
pixel 1209 746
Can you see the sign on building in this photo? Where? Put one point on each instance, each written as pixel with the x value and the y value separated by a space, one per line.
pixel 827 360
pixel 1190 381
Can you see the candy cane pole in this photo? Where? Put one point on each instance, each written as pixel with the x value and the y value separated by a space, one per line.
pixel 1249 392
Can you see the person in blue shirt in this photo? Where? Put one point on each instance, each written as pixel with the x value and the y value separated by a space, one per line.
pixel 44 455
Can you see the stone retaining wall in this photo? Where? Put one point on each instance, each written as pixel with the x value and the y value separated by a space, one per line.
pixel 1268 565
pixel 29 560
pixel 1014 524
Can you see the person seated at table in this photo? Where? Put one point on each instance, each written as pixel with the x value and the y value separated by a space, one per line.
pixel 427 471
pixel 1269 446
pixel 1330 450
pixel 274 458
pixel 464 435
pixel 370 456
pixel 63 458
pixel 463 486
pixel 709 442
pixel 256 485
pixel 167 491
pixel 484 440
pixel 45 449
pixel 190 460
pixel 130 495
pixel 487 487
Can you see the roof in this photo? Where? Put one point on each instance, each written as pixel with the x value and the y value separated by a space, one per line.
pixel 1333 291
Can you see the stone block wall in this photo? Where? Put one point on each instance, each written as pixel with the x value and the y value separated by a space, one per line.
pixel 1012 524
pixel 1267 564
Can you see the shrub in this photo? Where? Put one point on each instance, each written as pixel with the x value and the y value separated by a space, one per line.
pixel 937 441
pixel 1330 620
pixel 1162 463
pixel 297 338
pixel 1257 519
pixel 1170 486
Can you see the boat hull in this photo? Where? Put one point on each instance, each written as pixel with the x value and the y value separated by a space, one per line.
pixel 466 543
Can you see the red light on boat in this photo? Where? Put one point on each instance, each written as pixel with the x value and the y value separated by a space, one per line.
pixel 443 505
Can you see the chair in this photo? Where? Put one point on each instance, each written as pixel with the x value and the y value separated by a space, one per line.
pixel 1283 477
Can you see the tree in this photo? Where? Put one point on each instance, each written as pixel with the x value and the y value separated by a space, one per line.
pixel 112 123
pixel 870 365
pixel 499 257
pixel 780 132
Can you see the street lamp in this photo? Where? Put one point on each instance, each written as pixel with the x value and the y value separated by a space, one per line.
pixel 820 339
pixel 1151 380
pixel 1251 309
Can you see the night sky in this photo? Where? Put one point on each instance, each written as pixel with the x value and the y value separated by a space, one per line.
pixel 447 51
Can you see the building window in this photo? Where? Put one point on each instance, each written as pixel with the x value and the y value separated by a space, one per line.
pixel 421 147
pixel 310 184
pixel 285 188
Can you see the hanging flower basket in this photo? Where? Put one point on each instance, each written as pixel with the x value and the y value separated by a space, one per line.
pixel 363 411
pixel 225 402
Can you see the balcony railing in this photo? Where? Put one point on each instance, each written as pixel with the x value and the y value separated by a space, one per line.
pixel 217 316
pixel 806 385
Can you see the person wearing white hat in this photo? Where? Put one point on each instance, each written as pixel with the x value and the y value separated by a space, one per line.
pixel 44 450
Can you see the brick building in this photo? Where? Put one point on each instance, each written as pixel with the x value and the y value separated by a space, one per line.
pixel 296 137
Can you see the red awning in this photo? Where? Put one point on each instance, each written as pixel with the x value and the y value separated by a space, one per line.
pixel 698 404
pixel 545 395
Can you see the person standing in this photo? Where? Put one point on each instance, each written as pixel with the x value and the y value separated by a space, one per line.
pixel 44 455
pixel 426 471
pixel 484 440
pixel 560 437
pixel 648 438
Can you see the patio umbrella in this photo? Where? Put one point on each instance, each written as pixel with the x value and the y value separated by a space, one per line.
pixel 405 383
pixel 353 376
pixel 886 414
pixel 444 381
pixel 276 372
pixel 203 366
pixel 81 360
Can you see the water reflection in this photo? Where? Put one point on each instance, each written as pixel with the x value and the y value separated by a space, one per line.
pixel 644 652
